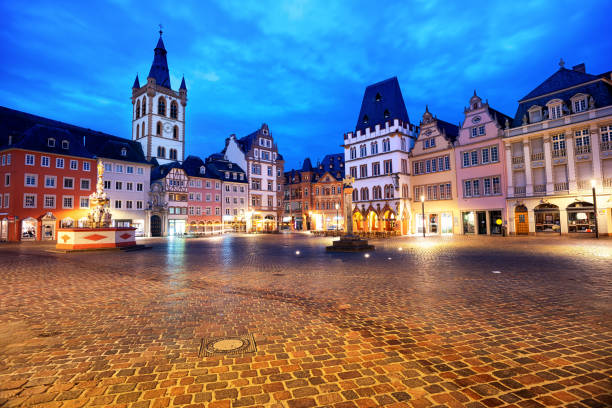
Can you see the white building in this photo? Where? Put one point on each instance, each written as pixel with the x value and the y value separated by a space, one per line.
pixel 258 155
pixel 376 156
pixel 158 114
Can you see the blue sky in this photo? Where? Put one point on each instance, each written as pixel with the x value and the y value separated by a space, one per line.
pixel 300 66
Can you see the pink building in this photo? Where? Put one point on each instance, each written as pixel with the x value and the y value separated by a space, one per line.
pixel 204 202
pixel 481 175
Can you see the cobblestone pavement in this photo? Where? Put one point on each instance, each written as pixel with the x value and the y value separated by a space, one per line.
pixel 475 322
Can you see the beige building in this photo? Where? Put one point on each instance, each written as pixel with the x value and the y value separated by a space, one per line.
pixel 433 179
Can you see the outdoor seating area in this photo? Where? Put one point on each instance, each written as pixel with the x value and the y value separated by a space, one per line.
pixel 361 234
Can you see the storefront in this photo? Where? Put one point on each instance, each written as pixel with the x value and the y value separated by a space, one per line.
pixel 29 227
pixel 48 227
pixel 469 224
pixel 446 221
pixel 176 227
pixel 495 222
pixel 547 219
pixel 4 229
pixel 580 217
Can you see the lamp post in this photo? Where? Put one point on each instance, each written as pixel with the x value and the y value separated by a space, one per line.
pixel 595 209
pixel 337 208
pixel 423 213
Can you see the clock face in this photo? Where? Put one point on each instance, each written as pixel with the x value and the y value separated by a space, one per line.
pixel 476 119
pixel 167 127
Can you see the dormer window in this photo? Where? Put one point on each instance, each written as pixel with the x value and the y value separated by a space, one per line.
pixel 387 114
pixel 579 103
pixel 229 165
pixel 555 110
pixel 227 174
pixel 51 142
pixel 202 169
pixel 65 144
pixel 535 114
pixel 366 119
pixel 123 151
pixel 378 98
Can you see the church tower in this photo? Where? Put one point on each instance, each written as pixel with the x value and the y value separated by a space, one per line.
pixel 158 112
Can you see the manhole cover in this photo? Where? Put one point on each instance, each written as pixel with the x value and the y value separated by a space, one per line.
pixel 215 346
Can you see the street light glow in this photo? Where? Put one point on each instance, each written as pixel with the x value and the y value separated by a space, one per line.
pixel 422 198
pixel 593 183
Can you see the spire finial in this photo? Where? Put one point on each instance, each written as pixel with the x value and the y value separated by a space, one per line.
pixel 474 92
pixel 160 30
pixel 561 63
pixel 427 108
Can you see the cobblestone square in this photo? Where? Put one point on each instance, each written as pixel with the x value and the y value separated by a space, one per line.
pixel 445 322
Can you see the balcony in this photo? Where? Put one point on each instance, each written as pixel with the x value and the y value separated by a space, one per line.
pixel 518 160
pixel 606 146
pixel 559 153
pixel 583 184
pixel 520 191
pixel 537 156
pixel 539 189
pixel 583 149
pixel 607 182
pixel 561 186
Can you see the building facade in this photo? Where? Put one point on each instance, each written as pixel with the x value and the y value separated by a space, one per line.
pixel 376 156
pixel 326 194
pixel 204 198
pixel 297 192
pixel 158 112
pixel 257 153
pixel 557 148
pixel 433 178
pixel 168 207
pixel 481 173
pixel 234 193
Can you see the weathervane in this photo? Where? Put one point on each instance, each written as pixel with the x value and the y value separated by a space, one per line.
pixel 160 30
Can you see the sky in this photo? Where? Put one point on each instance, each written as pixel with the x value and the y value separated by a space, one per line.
pixel 299 66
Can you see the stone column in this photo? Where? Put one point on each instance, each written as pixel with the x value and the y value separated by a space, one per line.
pixel 563 219
pixel 527 163
pixel 531 221
pixel 509 172
pixel 571 162
pixel 548 165
pixel 348 209
pixel 595 154
pixel 488 221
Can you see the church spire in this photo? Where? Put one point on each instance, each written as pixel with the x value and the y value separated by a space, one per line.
pixel 159 69
pixel 136 83
pixel 183 86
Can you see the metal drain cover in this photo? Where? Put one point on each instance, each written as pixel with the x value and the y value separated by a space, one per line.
pixel 229 345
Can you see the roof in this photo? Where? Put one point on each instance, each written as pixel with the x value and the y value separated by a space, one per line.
pixel 332 164
pixel 136 83
pixel 162 171
pixel 192 165
pixel 183 86
pixel 557 87
pixel 382 102
pixel 23 125
pixel 499 117
pixel 159 68
pixel 220 166
pixel 307 165
pixel 563 78
pixel 451 131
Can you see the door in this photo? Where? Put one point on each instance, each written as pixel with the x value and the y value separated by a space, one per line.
pixel 48 230
pixel 521 222
pixel 447 223
pixel 4 230
pixel 433 223
pixel 495 218
pixel 482 222
pixel 156 230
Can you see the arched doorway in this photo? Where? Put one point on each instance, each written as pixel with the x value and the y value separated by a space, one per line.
pixel 156 226
pixel 372 221
pixel 269 223
pixel 29 228
pixel 388 223
pixel 357 221
pixel 521 220
pixel 547 218
pixel 580 217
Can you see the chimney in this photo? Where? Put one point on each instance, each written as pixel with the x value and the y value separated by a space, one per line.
pixel 579 68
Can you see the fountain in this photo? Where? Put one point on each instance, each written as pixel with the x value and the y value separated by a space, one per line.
pixel 349 242
pixel 98 234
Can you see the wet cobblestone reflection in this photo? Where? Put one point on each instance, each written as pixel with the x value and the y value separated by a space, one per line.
pixel 422 322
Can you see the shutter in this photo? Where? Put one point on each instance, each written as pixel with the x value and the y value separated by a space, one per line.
pixel 519 179
pixel 584 171
pixel 560 174
pixel 539 176
pixel 607 168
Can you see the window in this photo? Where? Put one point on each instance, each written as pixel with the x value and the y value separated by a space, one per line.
pixel 494 154
pixel 117 203
pixel 108 167
pixel 65 144
pixel 74 165
pixel 386 145
pixel 118 168
pixel 353 151
pixel 555 111
pixel 118 185
pixel 51 142
pixel 8 159
pixel 174 110
pixel 362 151
pixel 256 169
pixel 474 156
pixel 270 171
pixel 404 166
pixel 446 162
pixel 434 165
pixel 129 186
pixel 496 185
pixel 7 180
pixel 558 141
pixel 484 156
pixel 86 166
pixel 84 202
pixel 139 205
pixel 68 183
pixel 374 148
pixel 128 204
pixel 50 181
pixel 29 159
pixel 161 107
pixel 474 132
pixel 363 171
pixel 139 186
pixel 49 201
pixel 353 172
pixel 85 184
pixel 59 163
pixel 466 159
pixel 580 105
pixel 427 167
pixel 467 188
pixel 29 201
pixel 388 164
pixel 140 170
pixel 107 184
pixel 481 130
pixel 45 161
pixel 67 202
pixel 31 180
pixel 486 184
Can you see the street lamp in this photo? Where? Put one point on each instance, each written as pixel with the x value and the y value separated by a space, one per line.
pixel 337 208
pixel 595 209
pixel 423 213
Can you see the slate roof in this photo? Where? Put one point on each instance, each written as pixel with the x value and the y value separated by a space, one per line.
pixel 192 165
pixel 307 165
pixel 499 117
pixel 37 130
pixel 220 166
pixel 183 86
pixel 391 100
pixel 332 164
pixel 556 87
pixel 159 68
pixel 451 131
pixel 162 171
pixel 136 83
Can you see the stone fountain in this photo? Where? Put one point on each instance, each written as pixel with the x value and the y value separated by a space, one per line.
pixel 349 242
pixel 98 234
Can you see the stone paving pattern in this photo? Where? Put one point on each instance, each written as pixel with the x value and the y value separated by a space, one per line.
pixel 428 325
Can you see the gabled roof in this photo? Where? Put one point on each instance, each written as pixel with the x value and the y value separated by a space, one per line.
pixel 382 102
pixel 451 131
pixel 96 144
pixel 332 164
pixel 499 117
pixel 220 166
pixel 192 165
pixel 162 171
pixel 159 68
pixel 563 78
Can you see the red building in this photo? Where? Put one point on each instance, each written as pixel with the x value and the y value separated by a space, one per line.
pixel 204 203
pixel 47 176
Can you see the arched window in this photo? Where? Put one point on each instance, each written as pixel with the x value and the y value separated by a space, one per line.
pixel 158 129
pixel 161 106
pixel 137 109
pixel 365 195
pixel 173 154
pixel 137 130
pixel 175 132
pixel 174 110
pixel 144 105
pixel 355 195
pixel 143 129
pixel 376 193
pixel 404 190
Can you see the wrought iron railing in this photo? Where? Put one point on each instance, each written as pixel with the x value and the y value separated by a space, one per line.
pixel 561 186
